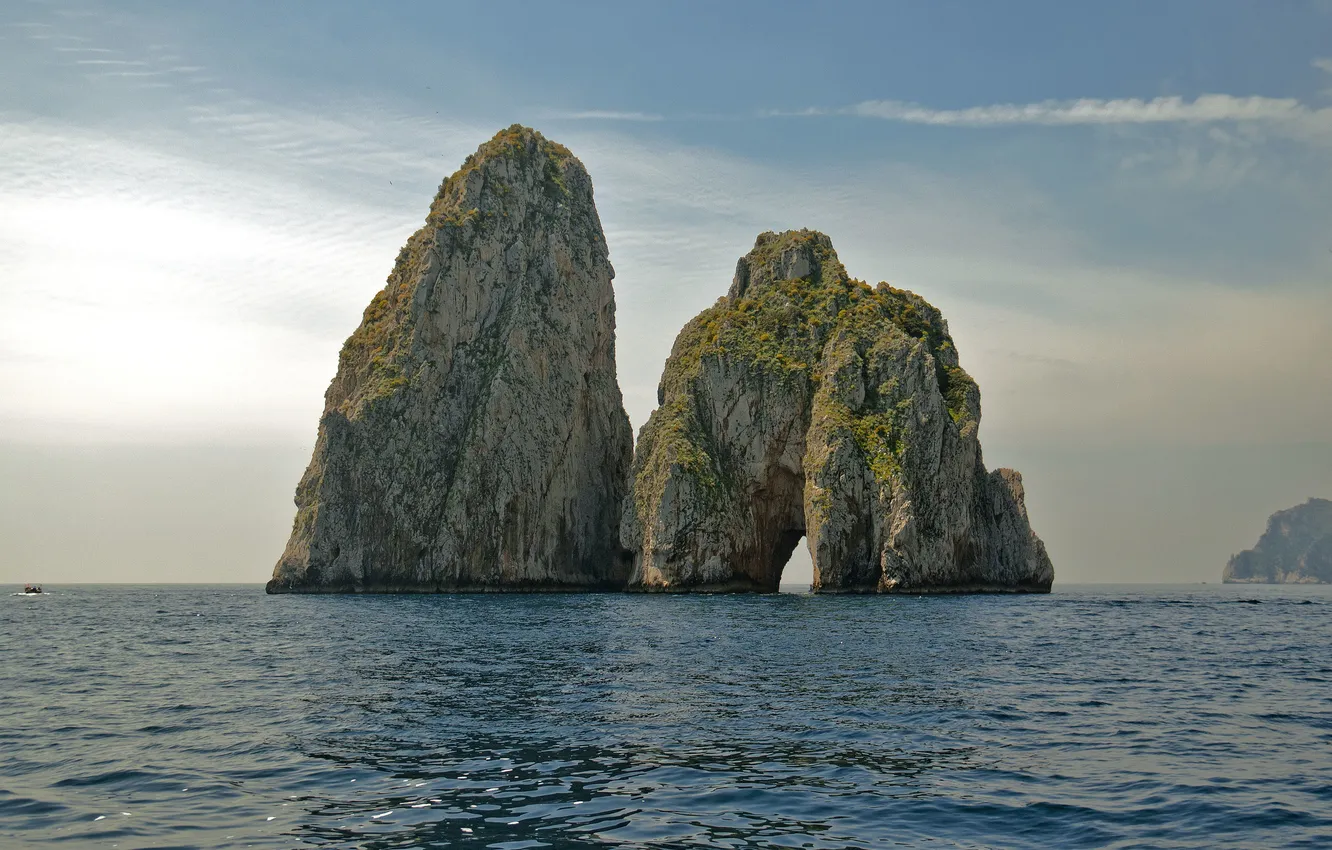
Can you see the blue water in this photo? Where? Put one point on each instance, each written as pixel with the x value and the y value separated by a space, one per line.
pixel 1098 716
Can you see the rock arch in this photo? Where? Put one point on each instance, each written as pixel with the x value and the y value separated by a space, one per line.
pixel 806 403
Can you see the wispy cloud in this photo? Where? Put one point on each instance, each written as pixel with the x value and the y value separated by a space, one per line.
pixel 1284 117
pixel 245 236
pixel 1323 64
pixel 231 231
pixel 1005 263
pixel 1205 109
pixel 265 252
pixel 227 264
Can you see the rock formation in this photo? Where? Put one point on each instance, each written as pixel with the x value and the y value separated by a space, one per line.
pixel 474 436
pixel 1296 548
pixel 806 403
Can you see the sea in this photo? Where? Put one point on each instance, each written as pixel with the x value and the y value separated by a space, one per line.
pixel 1098 716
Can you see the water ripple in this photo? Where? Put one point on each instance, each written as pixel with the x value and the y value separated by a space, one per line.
pixel 1095 717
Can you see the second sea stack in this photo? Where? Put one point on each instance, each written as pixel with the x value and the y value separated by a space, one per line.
pixel 474 437
pixel 808 404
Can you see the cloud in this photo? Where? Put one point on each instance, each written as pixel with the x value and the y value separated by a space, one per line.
pixel 1278 117
pixel 1323 64
pixel 1098 349
pixel 1208 108
pixel 198 271
pixel 221 267
pixel 147 293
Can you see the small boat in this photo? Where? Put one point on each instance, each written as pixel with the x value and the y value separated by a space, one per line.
pixel 32 588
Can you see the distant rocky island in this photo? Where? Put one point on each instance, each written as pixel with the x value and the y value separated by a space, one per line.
pixel 474 437
pixel 1296 548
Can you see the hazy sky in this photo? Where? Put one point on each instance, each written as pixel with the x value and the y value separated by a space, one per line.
pixel 1123 210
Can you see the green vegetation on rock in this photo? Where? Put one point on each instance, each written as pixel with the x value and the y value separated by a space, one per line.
pixel 474 436
pixel 468 204
pixel 807 402
pixel 781 328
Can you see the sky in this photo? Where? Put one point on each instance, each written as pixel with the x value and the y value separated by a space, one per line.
pixel 1122 209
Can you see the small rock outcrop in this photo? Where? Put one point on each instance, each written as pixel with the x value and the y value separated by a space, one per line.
pixel 808 404
pixel 1296 548
pixel 474 437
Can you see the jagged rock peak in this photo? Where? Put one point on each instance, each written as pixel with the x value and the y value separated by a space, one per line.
pixel 789 256
pixel 1296 548
pixel 806 403
pixel 474 437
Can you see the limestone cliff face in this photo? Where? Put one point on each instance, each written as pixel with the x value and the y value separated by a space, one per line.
pixel 806 403
pixel 474 437
pixel 1296 548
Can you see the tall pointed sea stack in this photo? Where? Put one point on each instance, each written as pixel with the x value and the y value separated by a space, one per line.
pixel 474 437
pixel 806 403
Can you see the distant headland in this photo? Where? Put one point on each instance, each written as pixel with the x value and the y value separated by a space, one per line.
pixel 474 437
pixel 1296 548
